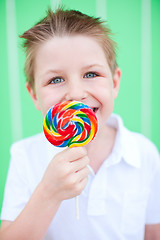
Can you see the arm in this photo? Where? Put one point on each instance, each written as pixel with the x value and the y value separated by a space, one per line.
pixel 33 221
pixel 65 177
pixel 152 232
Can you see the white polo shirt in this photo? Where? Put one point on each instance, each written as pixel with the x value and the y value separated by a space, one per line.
pixel 117 202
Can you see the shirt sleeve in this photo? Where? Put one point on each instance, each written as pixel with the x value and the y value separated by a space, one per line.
pixel 153 206
pixel 16 193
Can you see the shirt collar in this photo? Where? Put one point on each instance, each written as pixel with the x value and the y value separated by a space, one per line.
pixel 126 146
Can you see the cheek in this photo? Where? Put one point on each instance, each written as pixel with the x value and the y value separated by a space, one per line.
pixel 47 99
pixel 105 93
pixel 44 102
pixel 106 97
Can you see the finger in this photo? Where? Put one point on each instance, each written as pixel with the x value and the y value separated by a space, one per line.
pixel 71 154
pixel 80 186
pixel 76 153
pixel 83 173
pixel 79 164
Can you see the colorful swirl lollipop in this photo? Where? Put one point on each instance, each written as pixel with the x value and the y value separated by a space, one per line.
pixel 70 123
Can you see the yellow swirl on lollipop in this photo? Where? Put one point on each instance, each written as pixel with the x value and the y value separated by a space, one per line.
pixel 71 124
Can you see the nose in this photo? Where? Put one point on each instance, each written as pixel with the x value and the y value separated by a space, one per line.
pixel 76 91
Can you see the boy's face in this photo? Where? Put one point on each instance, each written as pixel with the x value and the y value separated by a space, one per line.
pixel 74 68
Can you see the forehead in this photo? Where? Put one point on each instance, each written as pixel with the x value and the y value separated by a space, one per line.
pixel 71 43
pixel 69 55
pixel 70 48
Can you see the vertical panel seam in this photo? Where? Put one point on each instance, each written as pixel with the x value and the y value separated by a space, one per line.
pixel 55 4
pixel 101 9
pixel 13 72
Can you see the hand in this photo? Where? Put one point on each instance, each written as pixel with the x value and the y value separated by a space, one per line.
pixel 67 174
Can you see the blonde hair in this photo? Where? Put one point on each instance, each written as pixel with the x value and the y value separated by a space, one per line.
pixel 61 23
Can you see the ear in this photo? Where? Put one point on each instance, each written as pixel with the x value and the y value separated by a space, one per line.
pixel 33 95
pixel 116 81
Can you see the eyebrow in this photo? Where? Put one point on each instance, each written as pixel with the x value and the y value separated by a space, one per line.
pixel 59 71
pixel 84 67
pixel 94 65
pixel 49 71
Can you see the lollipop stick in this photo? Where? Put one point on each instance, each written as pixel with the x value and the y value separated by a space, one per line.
pixel 76 203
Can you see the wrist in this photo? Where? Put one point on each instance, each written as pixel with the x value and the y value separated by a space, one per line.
pixel 47 196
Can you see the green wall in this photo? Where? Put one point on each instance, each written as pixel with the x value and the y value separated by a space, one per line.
pixel 136 25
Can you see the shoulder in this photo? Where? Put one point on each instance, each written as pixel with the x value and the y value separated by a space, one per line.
pixel 145 145
pixel 29 158
pixel 136 146
pixel 33 150
pixel 29 143
pixel 145 149
pixel 30 150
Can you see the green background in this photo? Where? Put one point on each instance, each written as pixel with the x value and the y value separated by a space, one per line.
pixel 137 32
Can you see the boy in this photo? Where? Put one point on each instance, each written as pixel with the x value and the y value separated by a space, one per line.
pixel 70 56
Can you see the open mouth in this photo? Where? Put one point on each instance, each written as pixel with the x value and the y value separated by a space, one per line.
pixel 95 109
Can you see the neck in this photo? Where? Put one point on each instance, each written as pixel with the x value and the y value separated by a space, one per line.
pixel 101 147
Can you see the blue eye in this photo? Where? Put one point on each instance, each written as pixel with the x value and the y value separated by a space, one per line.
pixel 57 80
pixel 91 75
